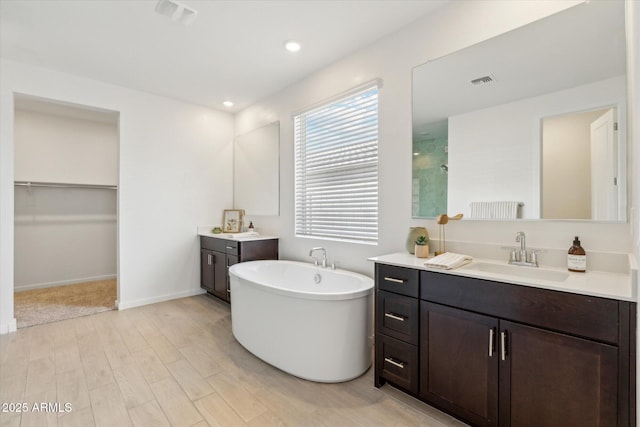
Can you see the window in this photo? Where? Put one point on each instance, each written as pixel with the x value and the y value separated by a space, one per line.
pixel 337 169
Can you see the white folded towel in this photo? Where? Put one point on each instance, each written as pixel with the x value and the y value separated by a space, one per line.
pixel 496 210
pixel 448 260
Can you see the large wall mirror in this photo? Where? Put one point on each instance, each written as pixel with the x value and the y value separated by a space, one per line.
pixel 256 171
pixel 530 124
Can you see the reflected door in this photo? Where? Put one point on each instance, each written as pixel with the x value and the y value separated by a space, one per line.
pixel 604 170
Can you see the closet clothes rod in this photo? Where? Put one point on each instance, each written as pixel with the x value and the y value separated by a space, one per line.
pixel 31 184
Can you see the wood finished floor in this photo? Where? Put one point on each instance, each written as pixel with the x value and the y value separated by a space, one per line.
pixel 177 364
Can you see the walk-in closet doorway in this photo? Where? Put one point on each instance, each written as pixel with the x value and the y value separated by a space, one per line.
pixel 65 210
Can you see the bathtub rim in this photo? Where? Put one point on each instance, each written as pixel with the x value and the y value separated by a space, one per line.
pixel 353 294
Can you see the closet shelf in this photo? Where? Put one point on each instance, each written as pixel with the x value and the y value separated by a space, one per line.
pixel 30 184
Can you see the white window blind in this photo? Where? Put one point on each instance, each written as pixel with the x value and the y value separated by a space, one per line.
pixel 337 169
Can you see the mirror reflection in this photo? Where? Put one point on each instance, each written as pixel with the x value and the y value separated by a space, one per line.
pixel 495 126
pixel 579 171
pixel 256 171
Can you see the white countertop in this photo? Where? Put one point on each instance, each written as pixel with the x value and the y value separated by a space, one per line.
pixel 238 237
pixel 619 286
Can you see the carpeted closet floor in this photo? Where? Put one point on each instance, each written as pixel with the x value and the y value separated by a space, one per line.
pixel 47 305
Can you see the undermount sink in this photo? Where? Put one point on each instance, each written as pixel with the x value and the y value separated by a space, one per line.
pixel 517 271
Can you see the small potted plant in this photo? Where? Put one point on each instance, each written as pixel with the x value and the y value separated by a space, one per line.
pixel 422 247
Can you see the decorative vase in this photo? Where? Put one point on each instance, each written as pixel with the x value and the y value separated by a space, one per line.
pixel 422 251
pixel 414 233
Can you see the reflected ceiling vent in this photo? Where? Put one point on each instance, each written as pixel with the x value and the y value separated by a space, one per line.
pixel 178 12
pixel 483 80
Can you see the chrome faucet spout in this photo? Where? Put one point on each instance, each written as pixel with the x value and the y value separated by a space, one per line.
pixel 522 256
pixel 521 238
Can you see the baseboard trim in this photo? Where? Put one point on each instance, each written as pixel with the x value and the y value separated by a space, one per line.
pixel 9 327
pixel 123 305
pixel 63 283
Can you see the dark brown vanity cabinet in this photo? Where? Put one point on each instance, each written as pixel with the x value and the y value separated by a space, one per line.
pixel 459 363
pixel 397 323
pixel 207 270
pixel 217 255
pixel 496 354
pixel 575 380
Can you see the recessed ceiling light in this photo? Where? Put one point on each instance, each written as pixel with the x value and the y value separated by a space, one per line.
pixel 227 104
pixel 292 46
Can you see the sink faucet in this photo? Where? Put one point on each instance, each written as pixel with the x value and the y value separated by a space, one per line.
pixel 522 239
pixel 316 260
pixel 522 256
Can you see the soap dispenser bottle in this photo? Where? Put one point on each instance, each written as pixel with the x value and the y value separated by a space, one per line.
pixel 577 257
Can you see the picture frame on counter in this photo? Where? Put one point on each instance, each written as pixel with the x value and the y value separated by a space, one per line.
pixel 232 220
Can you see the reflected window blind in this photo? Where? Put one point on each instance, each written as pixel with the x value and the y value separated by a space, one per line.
pixel 336 166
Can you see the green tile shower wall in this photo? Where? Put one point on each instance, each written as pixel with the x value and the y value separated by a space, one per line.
pixel 429 197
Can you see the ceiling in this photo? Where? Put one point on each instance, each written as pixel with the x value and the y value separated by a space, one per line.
pixel 580 45
pixel 232 51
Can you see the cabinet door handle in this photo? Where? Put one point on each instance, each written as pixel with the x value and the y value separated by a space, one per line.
pixel 394 280
pixel 491 338
pixel 209 258
pixel 503 345
pixel 394 317
pixel 394 363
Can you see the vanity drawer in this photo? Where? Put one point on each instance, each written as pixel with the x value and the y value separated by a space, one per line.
pixel 397 316
pixel 231 247
pixel 397 362
pixel 581 315
pixel 212 243
pixel 400 280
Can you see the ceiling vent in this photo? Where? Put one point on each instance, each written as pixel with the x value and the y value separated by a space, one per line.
pixel 178 12
pixel 482 80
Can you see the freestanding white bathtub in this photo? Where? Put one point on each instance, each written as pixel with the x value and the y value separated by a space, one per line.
pixel 314 323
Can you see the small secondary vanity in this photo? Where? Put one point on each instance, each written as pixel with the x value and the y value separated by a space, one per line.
pixel 498 352
pixel 218 252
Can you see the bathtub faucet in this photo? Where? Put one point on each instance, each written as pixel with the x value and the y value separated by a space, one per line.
pixel 316 260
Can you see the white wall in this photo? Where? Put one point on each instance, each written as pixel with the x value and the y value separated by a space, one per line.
pixel 53 148
pixel 633 70
pixel 392 59
pixel 500 145
pixel 633 67
pixel 175 166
